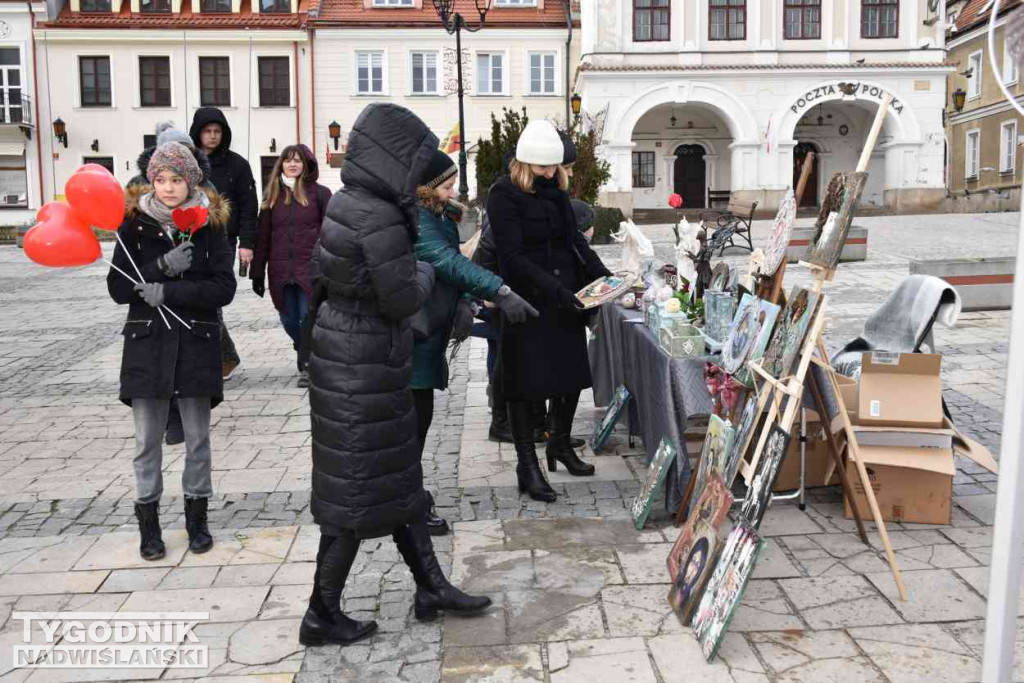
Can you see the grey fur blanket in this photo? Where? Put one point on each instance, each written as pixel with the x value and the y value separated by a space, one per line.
pixel 903 324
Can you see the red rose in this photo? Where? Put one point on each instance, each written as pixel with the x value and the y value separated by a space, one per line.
pixel 675 201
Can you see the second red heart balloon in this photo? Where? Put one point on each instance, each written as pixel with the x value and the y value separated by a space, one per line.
pixel 96 197
pixel 61 239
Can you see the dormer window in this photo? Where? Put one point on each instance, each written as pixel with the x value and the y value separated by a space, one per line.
pixel 95 6
pixel 394 3
pixel 515 3
pixel 155 6
pixel 275 6
pixel 216 7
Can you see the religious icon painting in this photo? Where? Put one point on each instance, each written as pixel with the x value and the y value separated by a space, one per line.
pixel 742 335
pixel 656 473
pixel 759 492
pixel 604 428
pixel 717 443
pixel 745 429
pixel 690 563
pixel 782 229
pixel 834 219
pixel 725 588
pixel 784 348
pixel 767 314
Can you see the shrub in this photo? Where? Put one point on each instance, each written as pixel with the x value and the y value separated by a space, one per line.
pixel 606 221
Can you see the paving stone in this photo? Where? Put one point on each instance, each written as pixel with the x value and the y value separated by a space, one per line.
pixel 982 508
pixel 787 650
pixel 189 577
pixel 493 571
pixel 773 563
pixel 936 595
pixel 499 664
pixel 537 616
pixel 265 641
pixel 121 551
pixel 246 574
pixel 284 602
pixel 680 660
pixel 615 660
pixel 765 608
pixel 55 582
pixel 919 653
pixel 223 604
pixel 839 602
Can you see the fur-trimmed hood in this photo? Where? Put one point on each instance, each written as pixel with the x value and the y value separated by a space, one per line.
pixel 220 207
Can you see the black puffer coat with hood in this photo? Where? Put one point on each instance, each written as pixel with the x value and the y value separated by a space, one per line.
pixel 232 176
pixel 367 476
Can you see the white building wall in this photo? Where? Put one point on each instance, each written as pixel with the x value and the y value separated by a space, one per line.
pixel 119 129
pixel 337 99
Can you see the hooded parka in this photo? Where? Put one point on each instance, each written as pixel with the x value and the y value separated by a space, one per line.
pixel 232 176
pixel 158 362
pixel 287 233
pixel 367 476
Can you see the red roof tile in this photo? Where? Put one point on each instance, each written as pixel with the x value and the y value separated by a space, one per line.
pixel 125 19
pixel 353 13
pixel 977 11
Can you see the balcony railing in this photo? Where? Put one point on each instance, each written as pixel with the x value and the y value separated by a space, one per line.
pixel 15 108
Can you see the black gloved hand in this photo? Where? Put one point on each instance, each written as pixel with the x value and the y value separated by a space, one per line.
pixel 151 292
pixel 515 307
pixel 463 321
pixel 177 260
pixel 258 286
pixel 566 299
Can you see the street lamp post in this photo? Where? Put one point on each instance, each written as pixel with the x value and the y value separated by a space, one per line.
pixel 455 23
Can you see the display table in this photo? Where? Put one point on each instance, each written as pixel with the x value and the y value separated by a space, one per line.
pixel 666 392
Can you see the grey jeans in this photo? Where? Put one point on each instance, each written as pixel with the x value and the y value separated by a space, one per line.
pixel 150 423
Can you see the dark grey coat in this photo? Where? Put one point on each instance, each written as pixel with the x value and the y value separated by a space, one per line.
pixel 366 463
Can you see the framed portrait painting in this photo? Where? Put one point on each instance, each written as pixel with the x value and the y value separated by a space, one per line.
pixel 746 427
pixel 690 563
pixel 759 491
pixel 788 339
pixel 611 416
pixel 656 473
pixel 717 443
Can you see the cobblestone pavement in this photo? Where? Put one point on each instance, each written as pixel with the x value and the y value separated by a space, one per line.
pixel 580 595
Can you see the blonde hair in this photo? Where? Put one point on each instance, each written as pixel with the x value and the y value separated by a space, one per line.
pixel 522 176
pixel 274 185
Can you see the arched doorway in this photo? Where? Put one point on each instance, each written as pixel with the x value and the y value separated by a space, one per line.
pixel 690 176
pixel 810 197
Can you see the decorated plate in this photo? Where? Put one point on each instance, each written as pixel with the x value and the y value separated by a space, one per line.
pixel 605 289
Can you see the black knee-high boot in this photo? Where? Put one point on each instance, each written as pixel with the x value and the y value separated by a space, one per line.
pixel 531 481
pixel 324 621
pixel 433 591
pixel 560 444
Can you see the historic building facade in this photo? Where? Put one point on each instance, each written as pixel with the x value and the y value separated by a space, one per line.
pixel 728 95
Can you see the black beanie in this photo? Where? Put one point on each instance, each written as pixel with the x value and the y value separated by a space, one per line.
pixel 568 149
pixel 584 214
pixel 440 169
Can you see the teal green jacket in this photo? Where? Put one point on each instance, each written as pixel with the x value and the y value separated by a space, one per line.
pixel 438 245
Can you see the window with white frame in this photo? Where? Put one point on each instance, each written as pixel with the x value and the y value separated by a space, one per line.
pixel 974 65
pixel 424 73
pixel 1009 65
pixel 490 73
pixel 393 3
pixel 515 3
pixel 542 73
pixel 1008 147
pixel 370 72
pixel 972 152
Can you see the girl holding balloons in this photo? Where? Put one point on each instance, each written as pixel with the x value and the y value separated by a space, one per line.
pixel 173 236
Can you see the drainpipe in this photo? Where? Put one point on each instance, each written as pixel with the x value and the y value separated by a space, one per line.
pixel 312 88
pixel 568 47
pixel 35 104
pixel 298 100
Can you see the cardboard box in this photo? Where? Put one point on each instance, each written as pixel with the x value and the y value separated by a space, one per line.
pixel 910 484
pixel 816 464
pixel 903 437
pixel 900 390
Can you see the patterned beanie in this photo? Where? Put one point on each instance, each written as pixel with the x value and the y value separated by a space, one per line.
pixel 440 169
pixel 176 157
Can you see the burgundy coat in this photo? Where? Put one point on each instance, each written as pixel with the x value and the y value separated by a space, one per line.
pixel 285 237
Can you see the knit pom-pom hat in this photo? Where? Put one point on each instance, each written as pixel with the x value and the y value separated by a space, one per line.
pixel 539 144
pixel 166 131
pixel 175 157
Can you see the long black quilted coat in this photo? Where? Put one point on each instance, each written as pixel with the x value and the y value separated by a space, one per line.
pixel 366 464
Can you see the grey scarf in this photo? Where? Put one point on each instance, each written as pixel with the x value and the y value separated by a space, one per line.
pixel 162 214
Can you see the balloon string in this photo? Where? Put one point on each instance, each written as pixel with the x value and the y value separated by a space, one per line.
pixel 117 234
pixel 165 308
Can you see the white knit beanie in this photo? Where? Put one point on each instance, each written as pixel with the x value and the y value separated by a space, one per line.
pixel 539 144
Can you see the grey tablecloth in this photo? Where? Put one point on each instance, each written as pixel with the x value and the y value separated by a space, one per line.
pixel 666 392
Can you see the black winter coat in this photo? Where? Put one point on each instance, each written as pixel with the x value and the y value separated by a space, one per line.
pixel 366 461
pixel 540 252
pixel 158 362
pixel 232 176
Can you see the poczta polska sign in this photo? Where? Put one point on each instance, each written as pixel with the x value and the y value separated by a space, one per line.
pixel 847 91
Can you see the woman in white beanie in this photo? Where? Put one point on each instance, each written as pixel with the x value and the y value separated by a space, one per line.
pixel 544 258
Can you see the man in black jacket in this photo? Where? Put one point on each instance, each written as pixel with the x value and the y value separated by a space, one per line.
pixel 232 176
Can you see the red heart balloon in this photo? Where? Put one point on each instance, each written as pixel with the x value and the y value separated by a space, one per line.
pixel 191 219
pixel 61 239
pixel 96 197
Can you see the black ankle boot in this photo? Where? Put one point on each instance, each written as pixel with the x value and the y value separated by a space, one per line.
pixel 324 622
pixel 199 539
pixel 433 591
pixel 528 472
pixel 560 448
pixel 152 545
pixel 500 430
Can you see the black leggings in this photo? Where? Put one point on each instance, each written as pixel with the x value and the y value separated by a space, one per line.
pixel 424 401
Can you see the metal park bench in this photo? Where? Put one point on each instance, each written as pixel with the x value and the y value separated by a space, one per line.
pixel 725 226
